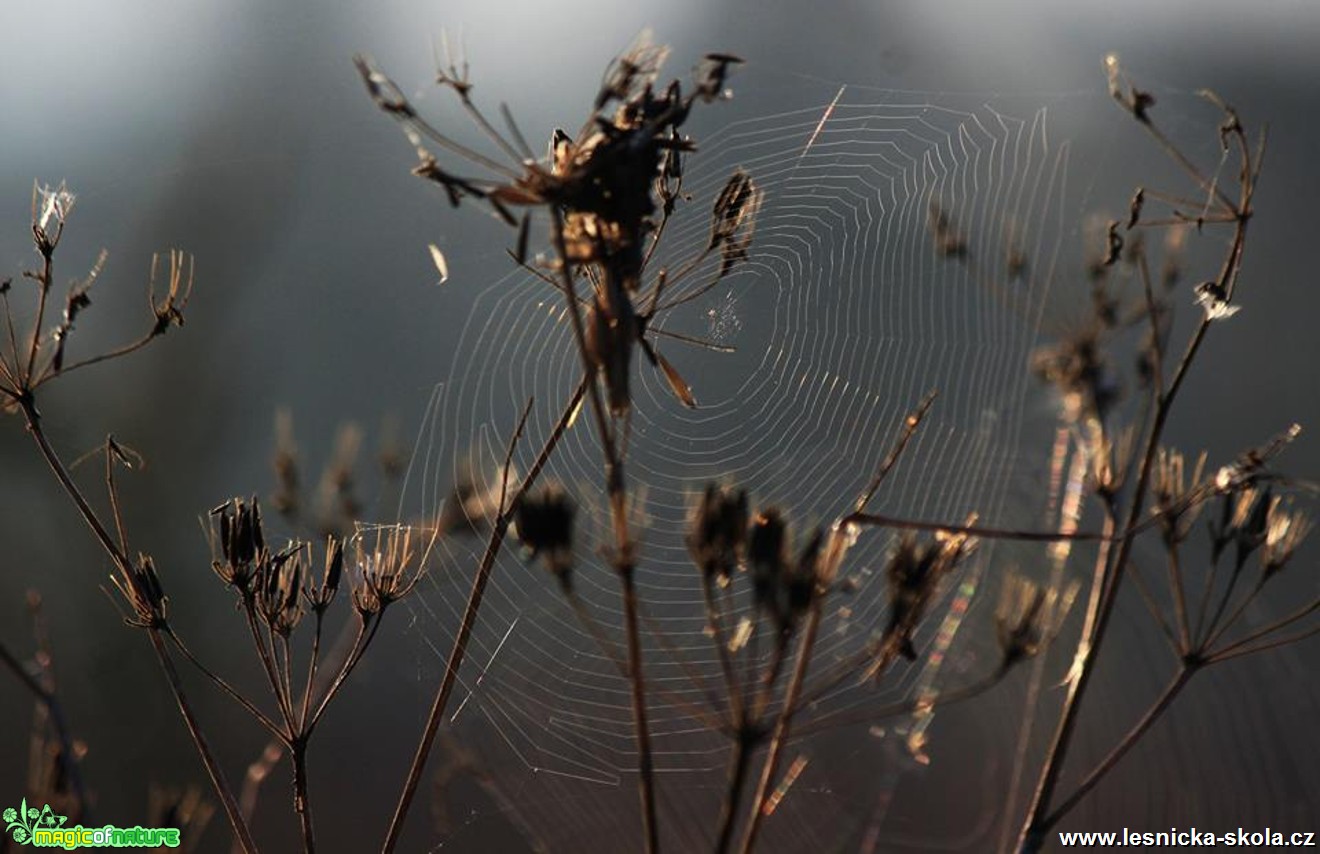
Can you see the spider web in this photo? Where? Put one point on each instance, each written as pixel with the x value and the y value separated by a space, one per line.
pixel 842 319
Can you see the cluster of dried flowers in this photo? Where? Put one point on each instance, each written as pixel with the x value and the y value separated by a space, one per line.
pixel 608 192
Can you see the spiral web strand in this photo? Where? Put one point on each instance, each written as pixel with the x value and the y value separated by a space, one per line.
pixel 844 316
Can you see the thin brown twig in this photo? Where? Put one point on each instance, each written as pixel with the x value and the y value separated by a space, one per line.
pixel 499 528
pixel 1040 816
pixel 624 563
pixel 93 521
pixel 783 727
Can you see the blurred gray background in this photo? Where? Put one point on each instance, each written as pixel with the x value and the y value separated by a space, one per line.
pixel 240 132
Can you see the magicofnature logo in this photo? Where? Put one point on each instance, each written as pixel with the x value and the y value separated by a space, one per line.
pixel 44 828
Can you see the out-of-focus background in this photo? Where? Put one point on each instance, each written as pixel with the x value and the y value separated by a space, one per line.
pixel 240 132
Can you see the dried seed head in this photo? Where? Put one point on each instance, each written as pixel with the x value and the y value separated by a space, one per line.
pixel 474 501
pixel 1244 471
pixel 1077 368
pixel 800 584
pixel 385 571
pixel 1029 617
pixel 1285 531
pixel 1174 506
pixel 140 587
pixel 1251 518
pixel 279 594
pixel 238 545
pixel 319 596
pixel 544 521
pixel 914 573
pixel 911 582
pixel 1110 460
pixel 717 530
pixel 178 290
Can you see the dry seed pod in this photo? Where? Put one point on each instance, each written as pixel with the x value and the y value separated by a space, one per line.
pixel 717 531
pixel 544 522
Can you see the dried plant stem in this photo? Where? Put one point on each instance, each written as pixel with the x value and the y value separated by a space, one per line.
pixel 261 717
pixel 878 520
pixel 732 686
pixel 624 563
pixel 213 770
pixel 1100 609
pixel 744 743
pixel 267 663
pixel 1179 595
pixel 301 802
pixel 1244 645
pixel 1041 817
pixel 1070 509
pixel 645 766
pixel 783 726
pixel 1220 628
pixel 1078 679
pixel 44 279
pixel 1239 650
pixel 1217 624
pixel 499 528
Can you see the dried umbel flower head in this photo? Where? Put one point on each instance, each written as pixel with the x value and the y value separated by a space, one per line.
pixel 279 589
pixel 1173 503
pixel 1284 532
pixel 1028 617
pixel 914 573
pixel 602 190
pixel 169 307
pixel 1251 515
pixel 1077 368
pixel 544 521
pixel 51 206
pixel 140 587
pixel 717 531
pixel 1246 469
pixel 238 544
pixel 386 567
pixel 800 585
pixel 474 501
pixel 320 595
pixel 1110 460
